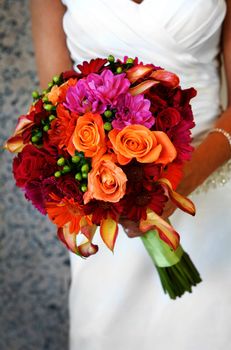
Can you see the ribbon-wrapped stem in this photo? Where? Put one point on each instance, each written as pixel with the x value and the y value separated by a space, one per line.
pixel 176 270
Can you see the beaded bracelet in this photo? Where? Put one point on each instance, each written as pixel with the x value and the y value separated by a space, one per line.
pixel 222 175
pixel 224 132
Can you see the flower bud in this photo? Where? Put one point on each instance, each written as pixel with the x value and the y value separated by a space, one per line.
pixel 107 126
pixel 108 114
pixel 75 159
pixel 46 128
pixel 51 117
pixel 129 61
pixel 57 174
pixel 85 175
pixel 35 94
pixel 78 176
pixel 61 161
pixel 85 168
pixel 39 133
pixel 45 99
pixel 66 169
pixel 56 79
pixel 48 107
pixel 119 70
pixel 111 59
pixel 83 188
pixel 35 139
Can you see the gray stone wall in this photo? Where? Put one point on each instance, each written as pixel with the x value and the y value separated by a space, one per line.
pixel 34 266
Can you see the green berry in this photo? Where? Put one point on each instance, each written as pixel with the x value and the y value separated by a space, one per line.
pixel 78 176
pixel 56 79
pixel 75 159
pixel 48 107
pixel 129 60
pixel 85 168
pixel 35 139
pixel 111 59
pixel 108 114
pixel 45 99
pixel 85 175
pixel 45 91
pixel 61 161
pixel 119 70
pixel 51 117
pixel 83 188
pixel 50 85
pixel 57 173
pixel 46 128
pixel 39 133
pixel 66 169
pixel 107 126
pixel 35 94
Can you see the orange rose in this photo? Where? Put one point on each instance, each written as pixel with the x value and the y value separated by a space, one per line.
pixel 106 181
pixel 89 135
pixel 58 93
pixel 137 141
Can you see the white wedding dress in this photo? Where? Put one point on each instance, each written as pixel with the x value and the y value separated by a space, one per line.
pixel 116 301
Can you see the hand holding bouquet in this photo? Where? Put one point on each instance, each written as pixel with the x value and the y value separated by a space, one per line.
pixel 107 142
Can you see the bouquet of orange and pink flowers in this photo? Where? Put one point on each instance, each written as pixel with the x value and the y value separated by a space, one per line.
pixel 105 142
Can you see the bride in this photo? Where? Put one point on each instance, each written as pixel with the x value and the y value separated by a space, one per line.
pixel 116 301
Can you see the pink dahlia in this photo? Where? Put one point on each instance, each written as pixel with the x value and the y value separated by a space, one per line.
pixel 96 92
pixel 81 99
pixel 133 110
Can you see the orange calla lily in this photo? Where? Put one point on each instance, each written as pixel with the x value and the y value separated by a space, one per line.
pixel 85 249
pixel 109 232
pixel 142 87
pixel 137 72
pixel 15 142
pixel 166 78
pixel 182 202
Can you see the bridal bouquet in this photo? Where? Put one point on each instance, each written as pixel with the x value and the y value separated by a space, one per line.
pixel 106 142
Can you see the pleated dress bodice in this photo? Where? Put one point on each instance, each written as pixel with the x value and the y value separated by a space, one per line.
pixel 181 35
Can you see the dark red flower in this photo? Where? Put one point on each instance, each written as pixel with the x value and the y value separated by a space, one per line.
pixel 34 193
pixel 137 202
pixel 94 66
pixel 33 164
pixel 70 74
pixel 141 175
pixel 69 188
pixel 182 97
pixel 102 210
pixel 167 119
pixel 49 186
pixel 181 138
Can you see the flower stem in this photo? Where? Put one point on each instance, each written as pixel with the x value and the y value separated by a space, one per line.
pixel 175 268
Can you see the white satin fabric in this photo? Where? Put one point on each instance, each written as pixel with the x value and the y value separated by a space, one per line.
pixel 116 300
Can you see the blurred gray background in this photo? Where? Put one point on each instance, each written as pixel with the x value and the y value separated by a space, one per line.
pixel 34 266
